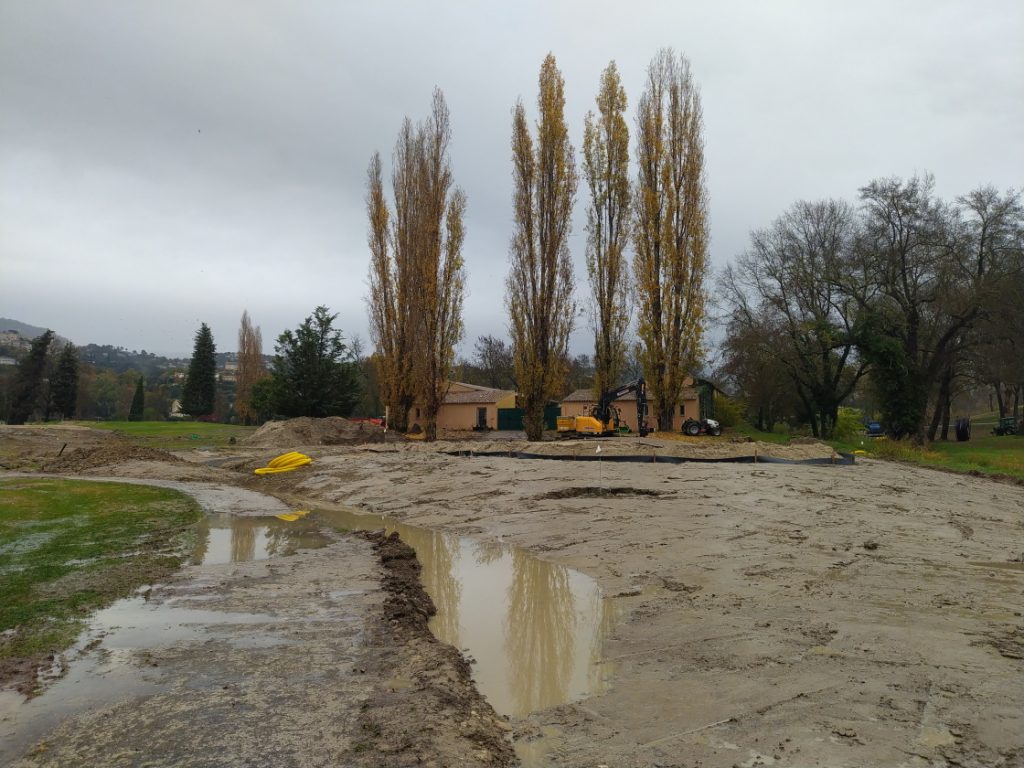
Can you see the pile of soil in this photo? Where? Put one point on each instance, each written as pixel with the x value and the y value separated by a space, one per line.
pixel 29 448
pixel 332 430
pixel 630 445
pixel 116 453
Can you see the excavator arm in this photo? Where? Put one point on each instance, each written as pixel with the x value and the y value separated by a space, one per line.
pixel 602 411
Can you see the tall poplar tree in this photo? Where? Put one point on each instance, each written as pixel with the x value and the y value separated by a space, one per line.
pixel 388 303
pixel 670 229
pixel 540 281
pixel 199 393
pixel 439 269
pixel 606 170
pixel 250 368
pixel 417 274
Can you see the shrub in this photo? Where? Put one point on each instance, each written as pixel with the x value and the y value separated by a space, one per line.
pixel 849 424
pixel 728 411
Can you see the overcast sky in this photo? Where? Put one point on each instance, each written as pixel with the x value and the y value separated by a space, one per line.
pixel 168 163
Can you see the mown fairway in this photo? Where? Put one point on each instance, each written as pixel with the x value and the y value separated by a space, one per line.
pixel 175 434
pixel 68 548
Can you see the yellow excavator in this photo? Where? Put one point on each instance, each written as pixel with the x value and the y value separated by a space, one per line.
pixel 603 419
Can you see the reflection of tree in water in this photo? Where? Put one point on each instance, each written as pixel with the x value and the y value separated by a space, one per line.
pixel 486 552
pixel 607 615
pixel 202 541
pixel 540 638
pixel 437 553
pixel 279 537
pixel 243 541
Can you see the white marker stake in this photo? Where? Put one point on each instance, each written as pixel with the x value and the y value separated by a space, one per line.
pixel 600 468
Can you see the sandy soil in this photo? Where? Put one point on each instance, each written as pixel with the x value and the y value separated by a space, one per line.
pixel 769 614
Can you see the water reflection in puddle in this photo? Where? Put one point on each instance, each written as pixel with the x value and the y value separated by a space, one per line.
pixel 230 539
pixel 534 628
pixel 98 676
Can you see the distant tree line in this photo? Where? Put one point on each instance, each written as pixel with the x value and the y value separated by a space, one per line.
pixel 914 295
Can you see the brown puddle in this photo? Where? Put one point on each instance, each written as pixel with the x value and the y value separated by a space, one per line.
pixel 534 629
pixel 102 675
pixel 232 539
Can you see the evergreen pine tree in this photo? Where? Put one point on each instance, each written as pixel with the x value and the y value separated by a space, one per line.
pixel 138 402
pixel 200 390
pixel 28 384
pixel 313 373
pixel 64 386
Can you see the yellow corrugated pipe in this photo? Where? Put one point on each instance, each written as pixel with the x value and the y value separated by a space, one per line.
pixel 286 462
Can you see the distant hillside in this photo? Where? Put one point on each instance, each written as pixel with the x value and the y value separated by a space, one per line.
pixel 26 330
pixel 16 337
pixel 117 359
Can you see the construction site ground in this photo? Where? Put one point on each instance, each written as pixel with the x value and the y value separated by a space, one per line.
pixel 753 614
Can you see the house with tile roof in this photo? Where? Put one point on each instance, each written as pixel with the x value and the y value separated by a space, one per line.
pixel 466 407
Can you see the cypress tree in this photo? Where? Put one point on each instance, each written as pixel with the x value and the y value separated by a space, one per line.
pixel 28 384
pixel 138 402
pixel 65 382
pixel 200 390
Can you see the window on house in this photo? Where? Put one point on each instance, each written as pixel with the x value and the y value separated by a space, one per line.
pixel 682 410
pixel 417 413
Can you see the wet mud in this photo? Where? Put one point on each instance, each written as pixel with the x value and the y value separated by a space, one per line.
pixel 784 615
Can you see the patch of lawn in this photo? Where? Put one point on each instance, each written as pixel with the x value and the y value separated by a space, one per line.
pixel 175 434
pixel 743 428
pixel 988 455
pixel 68 548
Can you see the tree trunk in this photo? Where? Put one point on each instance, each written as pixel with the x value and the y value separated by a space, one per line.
pixel 666 417
pixel 942 404
pixel 946 412
pixel 1000 401
pixel 533 420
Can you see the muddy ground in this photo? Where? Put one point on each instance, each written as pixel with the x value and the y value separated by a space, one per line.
pixel 767 614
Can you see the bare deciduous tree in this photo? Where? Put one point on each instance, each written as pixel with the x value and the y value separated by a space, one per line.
pixel 793 279
pixel 250 368
pixel 930 269
pixel 416 270
pixel 539 286
pixel 439 212
pixel 494 359
pixel 606 170
pixel 670 230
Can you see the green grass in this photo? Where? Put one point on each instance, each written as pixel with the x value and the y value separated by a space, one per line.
pixel 175 434
pixel 983 454
pixel 987 455
pixel 68 548
pixel 743 428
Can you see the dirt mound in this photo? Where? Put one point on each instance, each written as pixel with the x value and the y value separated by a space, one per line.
pixel 118 453
pixel 332 430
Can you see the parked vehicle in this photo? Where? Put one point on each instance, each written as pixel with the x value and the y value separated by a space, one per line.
pixel 603 419
pixel 874 429
pixel 1006 426
pixel 692 427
